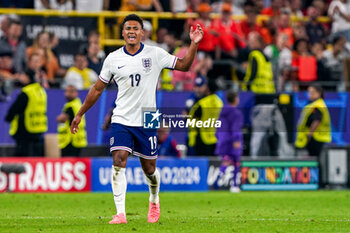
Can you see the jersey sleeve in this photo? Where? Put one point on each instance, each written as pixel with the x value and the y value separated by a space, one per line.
pixel 165 60
pixel 106 74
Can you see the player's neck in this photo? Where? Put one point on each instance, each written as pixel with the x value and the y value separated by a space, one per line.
pixel 132 49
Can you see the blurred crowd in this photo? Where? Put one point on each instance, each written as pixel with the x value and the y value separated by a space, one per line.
pixel 271 49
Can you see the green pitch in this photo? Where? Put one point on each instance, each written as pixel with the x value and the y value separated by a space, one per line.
pixel 318 211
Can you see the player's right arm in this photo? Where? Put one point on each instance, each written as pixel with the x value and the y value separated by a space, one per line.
pixel 93 95
pixel 185 63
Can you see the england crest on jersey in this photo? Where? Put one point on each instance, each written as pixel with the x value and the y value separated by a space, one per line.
pixel 147 64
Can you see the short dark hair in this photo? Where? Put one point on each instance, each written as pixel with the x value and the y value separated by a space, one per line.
pixel 212 86
pixel 231 96
pixel 336 39
pixel 93 33
pixel 186 40
pixel 318 89
pixel 132 17
pixel 299 41
pixel 14 21
pixel 79 55
pixel 249 3
pixel 52 35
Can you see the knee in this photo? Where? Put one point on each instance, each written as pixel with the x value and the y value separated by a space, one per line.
pixel 149 170
pixel 120 158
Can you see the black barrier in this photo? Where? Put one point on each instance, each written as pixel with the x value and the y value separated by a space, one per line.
pixel 72 33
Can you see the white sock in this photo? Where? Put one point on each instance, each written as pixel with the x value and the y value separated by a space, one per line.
pixel 119 184
pixel 153 184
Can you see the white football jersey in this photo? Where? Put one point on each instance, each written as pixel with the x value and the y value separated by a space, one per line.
pixel 136 77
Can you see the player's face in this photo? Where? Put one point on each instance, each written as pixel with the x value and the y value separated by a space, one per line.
pixel 132 32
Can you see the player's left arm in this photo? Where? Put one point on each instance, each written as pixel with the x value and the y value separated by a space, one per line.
pixel 185 63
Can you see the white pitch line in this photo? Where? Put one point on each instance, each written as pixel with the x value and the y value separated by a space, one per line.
pixel 49 217
pixel 297 220
pixel 202 218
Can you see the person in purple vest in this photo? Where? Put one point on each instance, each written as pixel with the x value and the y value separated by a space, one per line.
pixel 229 138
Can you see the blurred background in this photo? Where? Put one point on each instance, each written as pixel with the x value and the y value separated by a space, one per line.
pixel 273 54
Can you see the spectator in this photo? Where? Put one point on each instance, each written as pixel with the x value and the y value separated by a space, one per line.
pixel 333 61
pixel 201 66
pixel 167 144
pixel 184 80
pixel 178 6
pixel 93 38
pixel 299 32
pixel 269 30
pixel 146 38
pixel 36 69
pixel 304 64
pixel 166 75
pixel 192 5
pixel 224 27
pixel 42 44
pixel 259 73
pixel 70 144
pixel 12 42
pixel 230 138
pixel 295 8
pixel 171 42
pixel 8 75
pixel 7 71
pixel 341 19
pixel 141 5
pixel 4 25
pixel 248 25
pixel 259 4
pixel 113 5
pixel 323 73
pixel 314 125
pixel 285 27
pixel 175 7
pixel 321 6
pixel 62 5
pixel 91 5
pixel 284 60
pixel 203 139
pixel 315 30
pixel 54 41
pixel 28 119
pixel 79 75
pixel 161 33
pixel 209 42
pixel 274 9
pixel 94 61
pixel 236 6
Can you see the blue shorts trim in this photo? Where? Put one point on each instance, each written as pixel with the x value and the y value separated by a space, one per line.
pixel 135 140
pixel 120 148
pixel 144 156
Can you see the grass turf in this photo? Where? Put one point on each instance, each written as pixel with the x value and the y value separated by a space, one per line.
pixel 317 211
